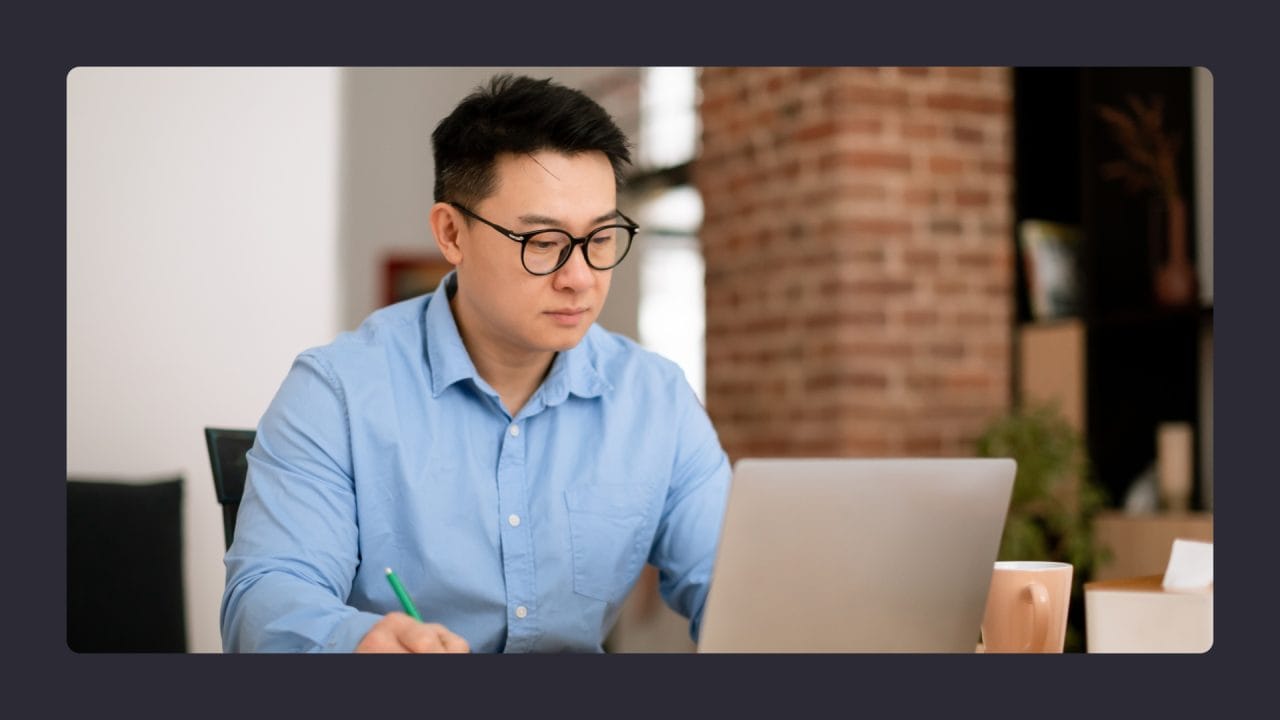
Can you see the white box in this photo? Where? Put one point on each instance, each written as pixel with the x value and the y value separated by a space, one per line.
pixel 1138 615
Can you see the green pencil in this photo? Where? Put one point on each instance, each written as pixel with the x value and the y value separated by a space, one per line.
pixel 405 602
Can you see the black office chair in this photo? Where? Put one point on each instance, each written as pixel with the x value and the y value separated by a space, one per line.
pixel 227 448
pixel 124 566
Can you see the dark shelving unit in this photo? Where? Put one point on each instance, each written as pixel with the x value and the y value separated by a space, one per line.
pixel 1142 360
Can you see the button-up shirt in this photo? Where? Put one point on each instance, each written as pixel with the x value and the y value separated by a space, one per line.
pixel 386 449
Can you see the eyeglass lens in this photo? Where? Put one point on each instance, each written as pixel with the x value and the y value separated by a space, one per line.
pixel 546 250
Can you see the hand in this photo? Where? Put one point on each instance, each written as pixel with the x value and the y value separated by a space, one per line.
pixel 399 633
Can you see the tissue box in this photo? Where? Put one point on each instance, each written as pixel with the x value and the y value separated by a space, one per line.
pixel 1138 615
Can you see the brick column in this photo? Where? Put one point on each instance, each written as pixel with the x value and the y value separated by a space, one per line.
pixel 858 244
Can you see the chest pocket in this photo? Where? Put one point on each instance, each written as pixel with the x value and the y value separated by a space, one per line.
pixel 606 524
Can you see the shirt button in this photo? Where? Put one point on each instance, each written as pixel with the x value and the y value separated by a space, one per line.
pixel 521 611
pixel 515 431
pixel 514 520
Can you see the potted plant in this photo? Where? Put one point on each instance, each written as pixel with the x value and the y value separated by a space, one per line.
pixel 1150 164
pixel 1054 499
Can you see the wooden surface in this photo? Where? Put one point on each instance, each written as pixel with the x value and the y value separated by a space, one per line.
pixel 1140 544
pixel 1144 583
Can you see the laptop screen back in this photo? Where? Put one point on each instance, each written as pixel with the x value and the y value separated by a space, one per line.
pixel 856 555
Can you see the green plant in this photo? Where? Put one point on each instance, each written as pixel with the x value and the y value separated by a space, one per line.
pixel 1054 499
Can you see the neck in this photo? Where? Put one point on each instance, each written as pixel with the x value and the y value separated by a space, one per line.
pixel 513 372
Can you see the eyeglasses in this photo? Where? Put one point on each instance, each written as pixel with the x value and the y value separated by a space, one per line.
pixel 543 252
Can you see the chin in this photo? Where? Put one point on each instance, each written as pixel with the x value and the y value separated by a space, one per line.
pixel 564 340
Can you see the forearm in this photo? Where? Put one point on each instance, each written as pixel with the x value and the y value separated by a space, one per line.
pixel 687 594
pixel 291 565
pixel 685 546
pixel 278 611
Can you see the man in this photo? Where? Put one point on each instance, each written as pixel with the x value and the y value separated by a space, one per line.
pixel 515 464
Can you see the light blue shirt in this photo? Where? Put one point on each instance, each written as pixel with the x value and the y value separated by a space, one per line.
pixel 385 448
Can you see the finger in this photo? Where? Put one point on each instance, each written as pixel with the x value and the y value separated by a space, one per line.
pixel 381 640
pixel 385 634
pixel 390 646
pixel 423 638
pixel 453 642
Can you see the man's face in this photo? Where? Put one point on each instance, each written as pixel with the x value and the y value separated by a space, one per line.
pixel 499 304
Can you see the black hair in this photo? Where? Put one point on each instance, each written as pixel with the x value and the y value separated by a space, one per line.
pixel 517 114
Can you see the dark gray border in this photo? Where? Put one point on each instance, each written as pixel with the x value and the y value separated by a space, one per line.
pixel 938 32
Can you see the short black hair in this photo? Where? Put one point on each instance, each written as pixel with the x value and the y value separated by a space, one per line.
pixel 518 114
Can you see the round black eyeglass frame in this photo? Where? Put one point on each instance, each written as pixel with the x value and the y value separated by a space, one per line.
pixel 524 238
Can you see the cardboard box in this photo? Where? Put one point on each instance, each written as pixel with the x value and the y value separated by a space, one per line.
pixel 1139 543
pixel 1052 367
pixel 1138 615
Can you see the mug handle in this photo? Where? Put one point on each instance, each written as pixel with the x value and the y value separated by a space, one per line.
pixel 1039 639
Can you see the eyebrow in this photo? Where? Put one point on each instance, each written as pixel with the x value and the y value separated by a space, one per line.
pixel 543 220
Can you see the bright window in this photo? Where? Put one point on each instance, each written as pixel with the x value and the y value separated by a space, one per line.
pixel 672 300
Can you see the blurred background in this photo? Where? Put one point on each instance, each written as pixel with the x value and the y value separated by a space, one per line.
pixel 845 261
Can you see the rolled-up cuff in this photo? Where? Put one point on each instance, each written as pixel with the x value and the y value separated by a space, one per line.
pixel 348 634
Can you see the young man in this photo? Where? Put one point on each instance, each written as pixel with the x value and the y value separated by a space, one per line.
pixel 515 464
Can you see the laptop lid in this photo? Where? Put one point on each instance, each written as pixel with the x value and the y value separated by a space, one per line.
pixel 856 555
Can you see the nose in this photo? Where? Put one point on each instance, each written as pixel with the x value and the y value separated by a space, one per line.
pixel 575 274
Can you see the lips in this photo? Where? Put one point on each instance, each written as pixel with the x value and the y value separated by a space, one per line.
pixel 568 316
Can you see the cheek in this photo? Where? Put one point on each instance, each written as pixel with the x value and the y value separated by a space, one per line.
pixel 492 272
pixel 515 298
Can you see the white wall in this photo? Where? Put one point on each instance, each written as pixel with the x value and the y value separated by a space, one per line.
pixel 202 252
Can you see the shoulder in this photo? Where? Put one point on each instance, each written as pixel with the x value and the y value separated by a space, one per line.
pixel 621 360
pixel 385 331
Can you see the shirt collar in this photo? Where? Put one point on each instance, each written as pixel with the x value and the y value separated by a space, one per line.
pixel 573 371
pixel 447 358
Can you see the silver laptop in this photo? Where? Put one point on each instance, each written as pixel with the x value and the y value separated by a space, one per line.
pixel 856 555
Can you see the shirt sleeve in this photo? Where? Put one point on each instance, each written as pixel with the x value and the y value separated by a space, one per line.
pixel 689 530
pixel 295 550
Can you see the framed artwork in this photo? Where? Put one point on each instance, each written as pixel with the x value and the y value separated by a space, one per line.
pixel 406 276
pixel 1049 256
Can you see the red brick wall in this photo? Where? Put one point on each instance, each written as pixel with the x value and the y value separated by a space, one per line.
pixel 857 235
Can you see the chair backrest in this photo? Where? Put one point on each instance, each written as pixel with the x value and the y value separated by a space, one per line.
pixel 227 448
pixel 124 565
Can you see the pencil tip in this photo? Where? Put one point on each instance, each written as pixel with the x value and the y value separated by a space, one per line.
pixel 388 571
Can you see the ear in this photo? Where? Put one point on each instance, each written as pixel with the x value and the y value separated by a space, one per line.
pixel 446 225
